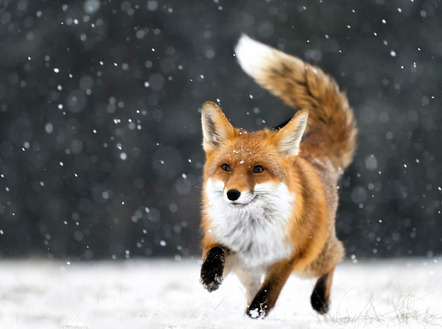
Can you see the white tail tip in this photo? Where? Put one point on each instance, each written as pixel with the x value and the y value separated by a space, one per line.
pixel 252 55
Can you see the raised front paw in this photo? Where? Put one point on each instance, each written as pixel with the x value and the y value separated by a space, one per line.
pixel 211 278
pixel 212 269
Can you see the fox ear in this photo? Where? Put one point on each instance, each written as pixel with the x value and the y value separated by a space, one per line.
pixel 289 137
pixel 216 127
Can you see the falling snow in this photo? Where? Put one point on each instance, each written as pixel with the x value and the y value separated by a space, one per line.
pixel 100 148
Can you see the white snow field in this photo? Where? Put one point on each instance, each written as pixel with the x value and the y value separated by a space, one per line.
pixel 404 293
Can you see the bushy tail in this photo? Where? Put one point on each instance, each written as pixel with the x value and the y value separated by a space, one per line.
pixel 331 127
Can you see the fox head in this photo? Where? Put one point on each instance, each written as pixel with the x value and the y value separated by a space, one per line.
pixel 244 167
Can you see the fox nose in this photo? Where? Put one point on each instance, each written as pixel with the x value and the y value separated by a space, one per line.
pixel 233 194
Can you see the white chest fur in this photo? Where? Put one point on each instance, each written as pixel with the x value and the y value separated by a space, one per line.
pixel 256 231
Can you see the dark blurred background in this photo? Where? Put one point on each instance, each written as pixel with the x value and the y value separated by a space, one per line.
pixel 100 142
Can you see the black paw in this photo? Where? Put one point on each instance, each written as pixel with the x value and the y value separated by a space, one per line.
pixel 212 270
pixel 319 304
pixel 211 277
pixel 257 310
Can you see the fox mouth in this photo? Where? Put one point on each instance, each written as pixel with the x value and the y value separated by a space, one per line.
pixel 241 204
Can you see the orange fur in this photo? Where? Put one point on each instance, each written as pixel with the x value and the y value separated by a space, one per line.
pixel 310 171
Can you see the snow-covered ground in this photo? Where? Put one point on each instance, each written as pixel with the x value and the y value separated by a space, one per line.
pixel 404 293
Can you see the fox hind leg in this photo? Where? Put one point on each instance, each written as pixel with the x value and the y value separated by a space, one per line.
pixel 320 298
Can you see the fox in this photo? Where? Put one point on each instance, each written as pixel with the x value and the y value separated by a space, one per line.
pixel 269 197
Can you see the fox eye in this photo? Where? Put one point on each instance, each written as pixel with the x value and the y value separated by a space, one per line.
pixel 225 167
pixel 258 169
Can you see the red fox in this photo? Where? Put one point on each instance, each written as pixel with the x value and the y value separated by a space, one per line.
pixel 269 197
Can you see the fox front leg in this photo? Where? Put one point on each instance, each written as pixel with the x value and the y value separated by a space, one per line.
pixel 213 268
pixel 269 291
